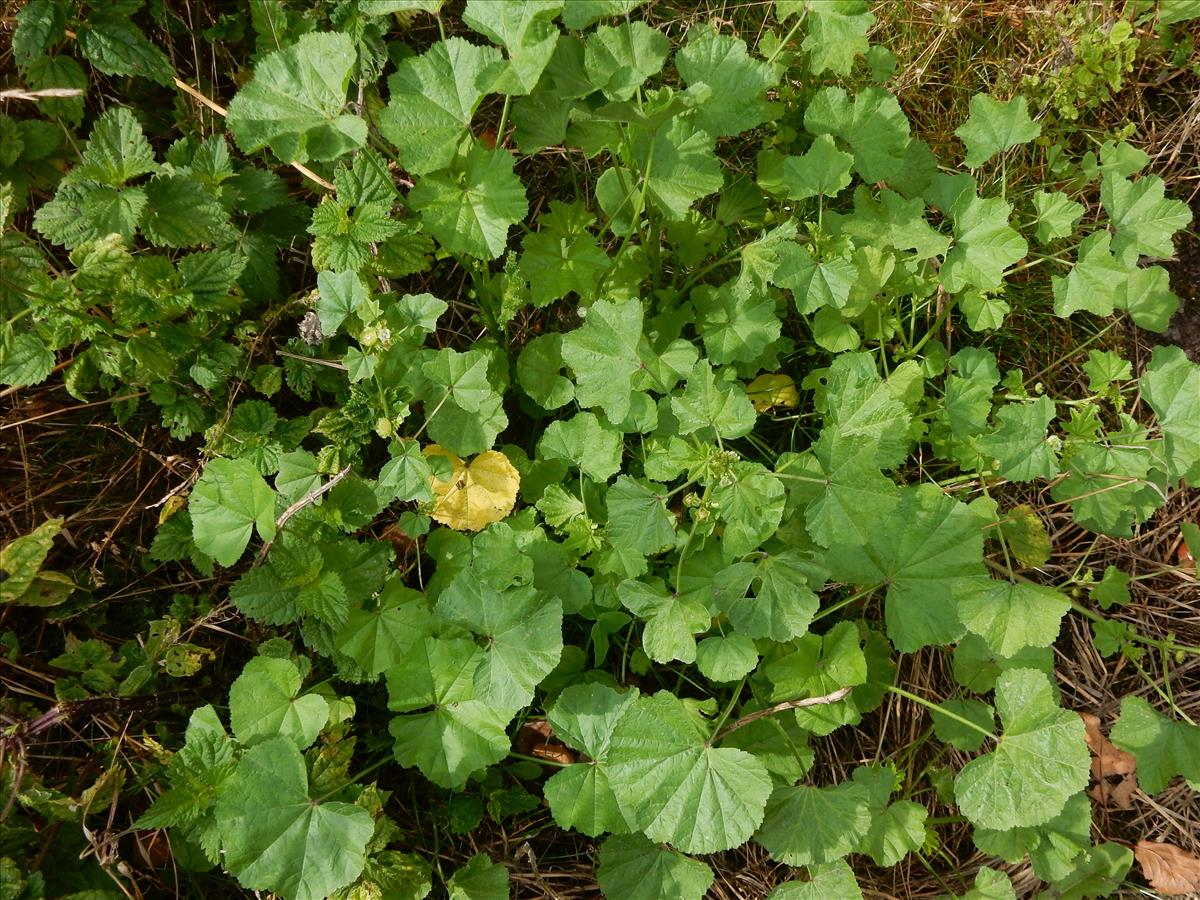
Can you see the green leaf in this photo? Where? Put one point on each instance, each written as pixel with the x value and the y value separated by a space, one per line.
pixel 579 14
pixel 783 605
pixel 24 359
pixel 892 221
pixel 379 636
pixel 677 789
pixel 1038 764
pixel 342 294
pixel 228 501
pixel 638 518
pixel 116 46
pixel 1011 616
pixel 712 407
pixel 633 868
pixel 738 82
pixel 180 212
pixel 563 256
pixel 479 879
pixel 897 829
pixel 585 442
pixel 580 796
pixel 727 658
pixel 522 632
pixel 461 734
pixel 40 25
pixel 618 59
pixel 116 151
pixel 276 838
pixel 823 169
pixel 994 127
pixel 873 125
pixel 836 34
pixel 736 321
pixel 264 703
pixel 751 505
pixel 539 369
pixel 1093 282
pixel 406 476
pixel 861 406
pixel 294 102
pixel 1143 219
pixel 984 244
pixel 1163 747
pixel 855 495
pixel 470 208
pixel 671 619
pixel 958 734
pixel 1018 446
pixel 835 879
pixel 1057 215
pixel 804 825
pixel 527 31
pixel 603 356
pixel 929 554
pixel 818 665
pixel 21 561
pixel 814 283
pixel 1171 386
pixel 679 166
pixel 432 100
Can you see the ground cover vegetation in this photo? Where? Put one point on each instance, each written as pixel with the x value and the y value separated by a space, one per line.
pixel 562 449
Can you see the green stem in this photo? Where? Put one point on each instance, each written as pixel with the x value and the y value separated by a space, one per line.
pixel 934 707
pixel 786 38
pixel 537 759
pixel 728 710
pixel 503 120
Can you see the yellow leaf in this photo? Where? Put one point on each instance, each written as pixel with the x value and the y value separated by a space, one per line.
pixel 475 495
pixel 768 391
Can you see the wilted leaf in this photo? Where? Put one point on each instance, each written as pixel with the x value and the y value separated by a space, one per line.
pixel 1113 770
pixel 475 495
pixel 769 391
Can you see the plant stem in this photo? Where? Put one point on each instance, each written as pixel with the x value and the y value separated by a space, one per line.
pixel 782 707
pixel 934 707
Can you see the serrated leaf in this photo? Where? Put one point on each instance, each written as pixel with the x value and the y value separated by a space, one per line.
pixel 539 372
pixel 836 32
pixel 470 208
pixel 855 495
pixel 671 619
pixel 40 24
pixel 633 868
pixel 1057 215
pixel 1018 445
pixel 739 82
pixel 579 14
pixel 1171 386
pixel 381 635
pixel 872 124
pixel 675 788
pixel 1011 616
pixel 712 407
pixel 618 59
pixel 823 169
pixel 593 447
pixel 227 503
pixel 929 554
pixel 475 495
pixel 1143 219
pixel 783 604
pixel 522 631
pixel 479 879
pixel 984 244
pixel 994 127
pixel 804 825
pixel 116 150
pixel 433 98
pixel 181 213
pixel 1163 747
pixel 116 46
pixel 265 702
pixel 460 734
pixel 24 359
pixel 1039 763
pixel 814 284
pixel 751 505
pixel 835 879
pixel 562 258
pixel 21 561
pixel 1094 280
pixel 294 102
pixel 603 356
pixel 276 838
pixel 679 166
pixel 342 294
pixel 526 31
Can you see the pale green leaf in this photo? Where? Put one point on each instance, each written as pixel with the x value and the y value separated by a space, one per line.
pixel 1011 616
pixel 712 407
pixel 265 702
pixel 671 619
pixel 1093 282
pixel 603 356
pixel 873 125
pixel 1163 747
pixel 1143 218
pixel 835 879
pixel 1018 446
pixel 592 446
pixel 738 82
pixel 227 503
pixel 1171 386
pixel 984 244
pixel 526 30
pixel 1057 215
pixel 804 825
pixel 994 127
pixel 836 32
pixel 479 879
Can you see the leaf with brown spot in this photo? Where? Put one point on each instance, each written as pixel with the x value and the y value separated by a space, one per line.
pixel 1113 771
pixel 1169 869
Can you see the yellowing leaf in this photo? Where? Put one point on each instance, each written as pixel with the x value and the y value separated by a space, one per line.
pixel 1169 869
pixel 475 495
pixel 22 580
pixel 768 391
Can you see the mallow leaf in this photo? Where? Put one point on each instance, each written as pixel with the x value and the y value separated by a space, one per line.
pixel 872 124
pixel 1143 218
pixel 1038 763
pixel 265 702
pixel 1171 386
pixel 227 503
pixel 804 825
pixel 836 32
pixel 618 59
pixel 994 127
pixel 633 868
pixel 739 83
pixel 676 788
pixel 1163 747
pixel 277 838
pixel 294 102
pixel 603 356
pixel 525 30
pixel 1013 615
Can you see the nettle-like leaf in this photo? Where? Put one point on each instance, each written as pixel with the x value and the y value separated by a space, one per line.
pixel 264 703
pixel 228 502
pixel 275 837
pixel 633 868
pixel 470 207
pixel 1038 764
pixel 676 788
pixel 294 102
pixel 432 100
pixel 994 127
pixel 461 733
pixel 1163 747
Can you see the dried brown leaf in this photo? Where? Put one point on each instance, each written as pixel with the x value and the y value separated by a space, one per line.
pixel 1114 771
pixel 1169 869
